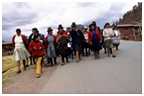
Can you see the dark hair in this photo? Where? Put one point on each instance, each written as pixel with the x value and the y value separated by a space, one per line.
pixel 94 23
pixel 35 29
pixel 90 27
pixel 107 24
pixel 18 30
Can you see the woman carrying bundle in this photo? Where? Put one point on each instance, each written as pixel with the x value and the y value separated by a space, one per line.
pixel 37 49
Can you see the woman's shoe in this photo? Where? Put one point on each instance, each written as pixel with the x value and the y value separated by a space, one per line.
pixel 113 56
pixel 18 71
pixel 25 68
pixel 38 75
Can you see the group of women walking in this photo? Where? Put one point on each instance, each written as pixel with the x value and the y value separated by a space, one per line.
pixel 72 43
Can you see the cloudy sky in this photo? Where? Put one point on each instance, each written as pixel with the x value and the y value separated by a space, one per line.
pixel 28 14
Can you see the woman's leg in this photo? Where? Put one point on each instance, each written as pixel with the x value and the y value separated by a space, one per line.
pixel 95 53
pixel 18 67
pixel 51 61
pixel 72 54
pixel 62 59
pixel 42 64
pixel 48 60
pixel 117 47
pixel 105 51
pixel 67 59
pixel 113 52
pixel 24 64
pixel 38 67
pixel 34 60
pixel 77 56
pixel 55 60
pixel 31 60
pixel 86 49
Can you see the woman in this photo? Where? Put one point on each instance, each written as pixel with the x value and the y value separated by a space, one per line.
pixel 38 52
pixel 35 32
pixel 21 54
pixel 51 47
pixel 116 37
pixel 75 41
pixel 108 33
pixel 62 41
pixel 94 37
pixel 86 45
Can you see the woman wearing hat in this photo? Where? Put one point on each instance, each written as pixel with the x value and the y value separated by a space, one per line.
pixel 37 49
pixel 51 53
pixel 35 32
pixel 75 41
pixel 94 38
pixel 62 41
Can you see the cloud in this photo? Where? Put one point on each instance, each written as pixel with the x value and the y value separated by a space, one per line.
pixel 17 14
pixel 85 4
pixel 27 15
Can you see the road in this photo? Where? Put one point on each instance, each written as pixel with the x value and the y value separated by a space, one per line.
pixel 122 74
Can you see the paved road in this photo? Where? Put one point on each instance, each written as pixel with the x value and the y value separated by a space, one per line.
pixel 122 74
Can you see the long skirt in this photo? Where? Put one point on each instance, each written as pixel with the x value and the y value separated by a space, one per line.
pixel 108 43
pixel 96 46
pixel 51 52
pixel 21 54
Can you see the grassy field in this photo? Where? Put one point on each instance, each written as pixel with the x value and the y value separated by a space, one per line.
pixel 8 68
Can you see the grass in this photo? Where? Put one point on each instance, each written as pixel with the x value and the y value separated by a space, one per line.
pixel 8 68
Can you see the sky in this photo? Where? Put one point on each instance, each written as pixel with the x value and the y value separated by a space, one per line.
pixel 44 14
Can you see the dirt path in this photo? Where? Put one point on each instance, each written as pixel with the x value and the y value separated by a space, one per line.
pixel 26 81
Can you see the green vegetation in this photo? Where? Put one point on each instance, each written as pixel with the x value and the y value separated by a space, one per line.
pixel 8 68
pixel 133 16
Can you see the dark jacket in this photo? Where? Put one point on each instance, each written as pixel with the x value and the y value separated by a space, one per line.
pixel 24 38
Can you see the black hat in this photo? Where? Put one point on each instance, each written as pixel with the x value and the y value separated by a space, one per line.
pixel 93 22
pixel 49 29
pixel 92 25
pixel 35 29
pixel 60 27
pixel 73 24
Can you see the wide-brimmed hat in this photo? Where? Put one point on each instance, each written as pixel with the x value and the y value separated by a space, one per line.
pixel 49 29
pixel 73 24
pixel 60 27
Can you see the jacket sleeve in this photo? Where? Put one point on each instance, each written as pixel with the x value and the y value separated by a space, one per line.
pixel 89 37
